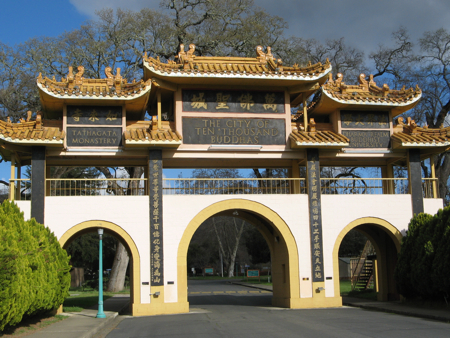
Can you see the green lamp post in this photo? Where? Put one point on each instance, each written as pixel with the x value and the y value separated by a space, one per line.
pixel 100 313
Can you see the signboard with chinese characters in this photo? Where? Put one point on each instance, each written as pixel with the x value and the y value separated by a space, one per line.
pixel 94 136
pixel 233 131
pixel 94 115
pixel 156 220
pixel 368 138
pixel 233 101
pixel 315 214
pixel 364 120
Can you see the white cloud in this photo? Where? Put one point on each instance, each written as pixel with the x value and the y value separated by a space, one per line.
pixel 89 7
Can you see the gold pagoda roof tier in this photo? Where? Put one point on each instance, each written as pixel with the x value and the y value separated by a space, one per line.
pixel 29 132
pixel 75 89
pixel 191 69
pixel 146 133
pixel 317 138
pixel 409 135
pixel 335 94
pixel 18 138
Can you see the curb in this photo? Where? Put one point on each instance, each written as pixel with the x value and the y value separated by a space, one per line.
pixel 96 329
pixel 399 312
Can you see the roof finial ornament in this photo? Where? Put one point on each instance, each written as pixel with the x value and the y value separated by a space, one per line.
pixel 312 125
pixel 269 53
pixel 78 76
pixel 29 113
pixel 190 52
pixel 363 82
pixel 385 90
pixel 38 124
pixel 109 76
pixel 181 54
pixel 371 81
pixel 70 75
pixel 260 55
pixel 330 78
pixel 339 78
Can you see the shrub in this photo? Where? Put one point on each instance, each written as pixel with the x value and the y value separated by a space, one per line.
pixel 423 265
pixel 34 269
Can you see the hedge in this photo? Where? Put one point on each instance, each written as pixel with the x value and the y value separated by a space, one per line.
pixel 34 269
pixel 423 267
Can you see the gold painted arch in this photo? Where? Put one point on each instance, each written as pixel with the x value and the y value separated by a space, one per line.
pixel 380 223
pixel 260 210
pixel 124 237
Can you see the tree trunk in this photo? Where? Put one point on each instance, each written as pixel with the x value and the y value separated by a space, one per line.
pixel 117 278
pixel 239 231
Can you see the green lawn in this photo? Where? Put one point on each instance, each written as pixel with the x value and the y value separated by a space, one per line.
pixel 83 299
pixel 346 290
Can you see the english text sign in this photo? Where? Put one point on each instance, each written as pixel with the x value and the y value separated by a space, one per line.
pixel 368 138
pixel 233 131
pixel 94 136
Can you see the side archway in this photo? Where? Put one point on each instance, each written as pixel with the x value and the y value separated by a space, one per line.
pixel 124 237
pixel 386 240
pixel 283 246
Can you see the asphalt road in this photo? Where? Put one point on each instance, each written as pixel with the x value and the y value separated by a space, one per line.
pixel 219 309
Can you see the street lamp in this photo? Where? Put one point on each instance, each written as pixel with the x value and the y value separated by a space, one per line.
pixel 100 313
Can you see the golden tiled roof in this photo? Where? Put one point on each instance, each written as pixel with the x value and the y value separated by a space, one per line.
pixel 147 133
pixel 317 138
pixel 410 135
pixel 31 132
pixel 77 87
pixel 366 93
pixel 187 64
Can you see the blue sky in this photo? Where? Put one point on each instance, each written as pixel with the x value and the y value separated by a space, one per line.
pixel 364 24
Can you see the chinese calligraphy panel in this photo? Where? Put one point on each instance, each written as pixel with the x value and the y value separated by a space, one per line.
pixel 156 219
pixel 95 115
pixel 315 214
pixel 233 101
pixel 364 119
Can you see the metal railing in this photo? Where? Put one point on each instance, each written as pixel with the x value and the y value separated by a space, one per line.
pixel 97 187
pixel 233 186
pixel 363 186
pixel 20 189
pixel 430 187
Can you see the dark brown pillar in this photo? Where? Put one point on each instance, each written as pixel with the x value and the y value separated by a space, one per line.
pixel 415 181
pixel 38 184
pixel 156 217
pixel 315 213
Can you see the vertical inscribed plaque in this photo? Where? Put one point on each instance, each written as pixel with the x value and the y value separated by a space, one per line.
pixel 315 214
pixel 156 220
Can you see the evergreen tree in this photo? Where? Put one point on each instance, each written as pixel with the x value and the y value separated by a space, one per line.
pixel 34 269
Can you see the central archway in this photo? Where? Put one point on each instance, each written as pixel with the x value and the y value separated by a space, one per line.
pixel 285 261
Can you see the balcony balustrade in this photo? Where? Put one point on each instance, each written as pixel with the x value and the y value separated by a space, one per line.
pixel 20 189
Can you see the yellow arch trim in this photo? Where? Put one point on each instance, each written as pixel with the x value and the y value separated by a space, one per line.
pixel 391 230
pixel 238 204
pixel 95 224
